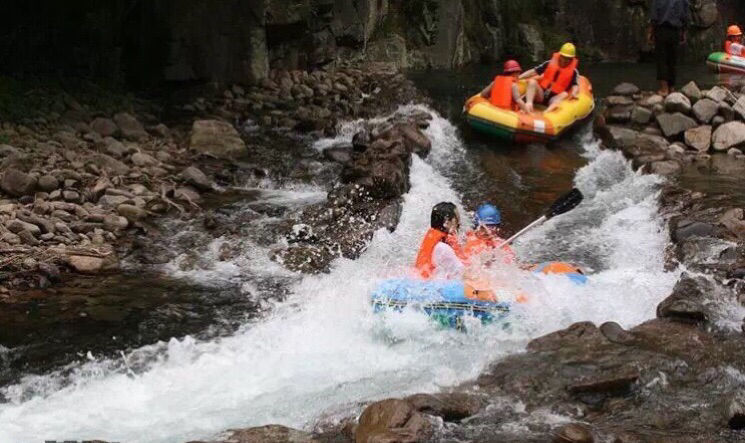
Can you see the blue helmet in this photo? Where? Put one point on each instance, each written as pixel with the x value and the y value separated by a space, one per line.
pixel 488 215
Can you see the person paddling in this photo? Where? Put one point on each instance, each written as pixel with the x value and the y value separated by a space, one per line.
pixel 440 254
pixel 554 80
pixel 485 234
pixel 733 45
pixel 504 91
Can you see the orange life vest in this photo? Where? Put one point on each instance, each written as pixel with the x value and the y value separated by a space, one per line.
pixel 501 92
pixel 555 77
pixel 476 244
pixel 424 259
pixel 728 49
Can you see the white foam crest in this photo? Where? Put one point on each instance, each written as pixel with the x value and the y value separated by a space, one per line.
pixel 324 347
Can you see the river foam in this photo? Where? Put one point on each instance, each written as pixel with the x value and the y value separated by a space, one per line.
pixel 323 351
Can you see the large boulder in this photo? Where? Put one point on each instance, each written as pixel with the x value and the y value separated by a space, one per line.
pixel 699 138
pixel 130 127
pixel 216 138
pixel 392 420
pixel 17 184
pixel 674 124
pixel 677 102
pixel 705 110
pixel 728 135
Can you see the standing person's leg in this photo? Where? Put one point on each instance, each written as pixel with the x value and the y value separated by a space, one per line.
pixel 672 54
pixel 659 48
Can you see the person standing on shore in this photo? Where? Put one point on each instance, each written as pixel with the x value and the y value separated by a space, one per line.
pixel 667 30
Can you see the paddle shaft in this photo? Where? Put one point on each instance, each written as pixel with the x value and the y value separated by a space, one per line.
pixel 523 231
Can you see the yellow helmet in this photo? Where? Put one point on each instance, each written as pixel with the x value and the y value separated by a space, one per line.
pixel 568 50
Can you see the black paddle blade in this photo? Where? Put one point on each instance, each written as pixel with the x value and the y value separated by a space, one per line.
pixel 565 203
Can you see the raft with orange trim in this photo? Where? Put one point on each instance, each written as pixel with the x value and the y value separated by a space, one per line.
pixel 726 64
pixel 449 301
pixel 538 126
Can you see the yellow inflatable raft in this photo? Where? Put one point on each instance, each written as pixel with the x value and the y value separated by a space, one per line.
pixel 534 127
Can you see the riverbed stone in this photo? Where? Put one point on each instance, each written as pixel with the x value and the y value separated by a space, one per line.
pixel 195 177
pixel 392 420
pixel 717 93
pixel 130 127
pixel 734 152
pixel 652 101
pixel 619 137
pixel 728 135
pixel 105 127
pixel 115 222
pixel 92 265
pixel 187 194
pixel 114 147
pixel 48 183
pixel 704 110
pixel 677 102
pixel 665 167
pixel 131 212
pixel 143 159
pixel 267 434
pixel 16 226
pixel 674 124
pixel 734 409
pixel 573 433
pixel 17 183
pixel 699 138
pixel 626 88
pixel 619 100
pixel 641 115
pixel 216 138
pixel 726 111
pixel 692 91
pixel 109 163
pixel 685 304
pixel 739 107
pixel 619 114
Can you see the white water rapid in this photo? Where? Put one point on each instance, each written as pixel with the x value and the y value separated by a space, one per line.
pixel 323 351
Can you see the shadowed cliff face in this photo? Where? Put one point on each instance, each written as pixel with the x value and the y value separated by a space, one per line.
pixel 146 42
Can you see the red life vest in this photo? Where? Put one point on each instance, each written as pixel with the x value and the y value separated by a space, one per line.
pixel 555 77
pixel 424 259
pixel 476 244
pixel 728 49
pixel 501 92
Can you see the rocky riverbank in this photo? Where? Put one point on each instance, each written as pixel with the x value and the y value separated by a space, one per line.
pixel 673 378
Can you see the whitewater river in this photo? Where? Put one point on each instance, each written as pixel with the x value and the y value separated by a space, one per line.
pixel 311 349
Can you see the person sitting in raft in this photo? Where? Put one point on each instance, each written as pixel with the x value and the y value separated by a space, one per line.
pixel 556 79
pixel 504 91
pixel 733 45
pixel 485 233
pixel 440 254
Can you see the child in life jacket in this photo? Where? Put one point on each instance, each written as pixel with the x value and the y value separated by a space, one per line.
pixel 733 45
pixel 485 234
pixel 504 91
pixel 440 254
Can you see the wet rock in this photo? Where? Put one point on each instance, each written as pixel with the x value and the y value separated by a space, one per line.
pixel 584 331
pixel 619 137
pixel 449 406
pixel 28 238
pixel 216 138
pixel 674 124
pixel 10 238
pixel 115 223
pixel 70 195
pixel 619 382
pixel 704 110
pixel 109 163
pixel 685 304
pixel 339 154
pixel 691 91
pixel 717 93
pixel 728 135
pixel 417 141
pixel 361 141
pixel 48 183
pixel 266 434
pixel 308 259
pixel 17 183
pixel 734 410
pixel 130 127
pixel 677 102
pixel 92 265
pixel 131 212
pixel 665 167
pixel 50 271
pixel 733 221
pixel 195 177
pixel 392 420
pixel 699 138
pixel 686 230
pixel 573 433
pixel 627 89
pixel 142 159
pixel 616 334
pixel 641 115
pixel 104 127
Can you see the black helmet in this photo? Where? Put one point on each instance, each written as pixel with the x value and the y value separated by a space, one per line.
pixel 441 213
